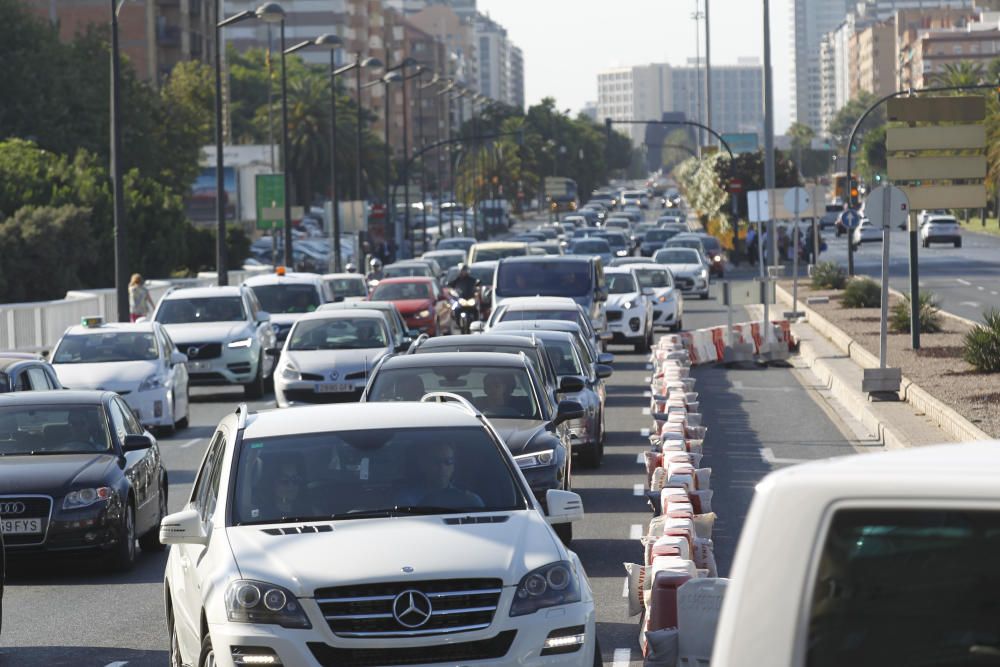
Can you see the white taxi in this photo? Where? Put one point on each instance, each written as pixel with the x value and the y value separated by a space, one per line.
pixel 287 296
pixel 137 361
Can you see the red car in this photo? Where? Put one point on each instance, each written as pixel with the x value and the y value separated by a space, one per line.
pixel 420 301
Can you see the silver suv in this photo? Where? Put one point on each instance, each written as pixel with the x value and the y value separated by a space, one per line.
pixel 224 333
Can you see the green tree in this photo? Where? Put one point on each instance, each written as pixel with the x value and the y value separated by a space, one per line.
pixel 962 73
pixel 873 159
pixel 843 122
pixel 802 136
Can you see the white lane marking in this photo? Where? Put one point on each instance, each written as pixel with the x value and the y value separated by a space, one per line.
pixel 647 394
pixel 980 288
pixel 120 663
pixel 191 443
pixel 649 367
pixel 640 458
pixel 647 380
pixel 622 657
pixel 737 384
pixel 768 455
pixel 970 304
pixel 644 432
pixel 645 411
pixel 638 489
pixel 625 588
pixel 964 282
pixel 635 532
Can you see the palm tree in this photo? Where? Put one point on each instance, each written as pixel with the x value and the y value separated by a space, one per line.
pixel 962 73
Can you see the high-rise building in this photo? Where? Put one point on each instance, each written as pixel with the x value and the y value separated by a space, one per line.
pixel 501 65
pixel 811 20
pixel 646 92
pixel 154 34
pixel 515 92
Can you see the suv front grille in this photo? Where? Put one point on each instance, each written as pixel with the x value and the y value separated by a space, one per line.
pixel 201 350
pixel 493 648
pixel 459 605
pixel 614 315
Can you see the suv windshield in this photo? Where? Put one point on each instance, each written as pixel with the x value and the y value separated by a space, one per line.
pixel 106 347
pixel 492 254
pixel 337 334
pixel 287 298
pixel 654 278
pixel 591 246
pixel 620 284
pixel 346 287
pixel 374 472
pixel 401 291
pixel 207 309
pixel 498 392
pixel 677 256
pixel 61 429
pixel 544 277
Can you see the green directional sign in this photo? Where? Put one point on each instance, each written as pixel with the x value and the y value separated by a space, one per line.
pixel 270 201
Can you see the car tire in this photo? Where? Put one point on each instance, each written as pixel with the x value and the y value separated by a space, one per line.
pixel 150 542
pixel 174 650
pixel 125 552
pixel 255 389
pixel 592 456
pixel 564 531
pixel 206 657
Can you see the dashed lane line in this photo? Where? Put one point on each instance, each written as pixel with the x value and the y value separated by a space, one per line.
pixel 638 489
pixel 191 443
pixel 964 282
pixel 767 454
pixel 635 532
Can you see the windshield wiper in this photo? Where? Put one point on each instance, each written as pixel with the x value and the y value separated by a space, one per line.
pixel 397 510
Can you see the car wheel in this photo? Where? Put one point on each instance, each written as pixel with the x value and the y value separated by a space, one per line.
pixel 150 542
pixel 124 554
pixel 564 531
pixel 207 656
pixel 174 655
pixel 255 389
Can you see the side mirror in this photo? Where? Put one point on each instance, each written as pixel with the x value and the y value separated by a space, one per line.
pixel 477 327
pixel 605 358
pixel 570 383
pixel 136 443
pixel 566 411
pixel 604 371
pixel 273 351
pixel 263 316
pixel 563 506
pixel 183 527
pixel 178 357
pixel 413 333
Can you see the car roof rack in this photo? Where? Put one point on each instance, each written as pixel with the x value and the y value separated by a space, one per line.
pixel 447 396
pixel 415 345
pixel 242 410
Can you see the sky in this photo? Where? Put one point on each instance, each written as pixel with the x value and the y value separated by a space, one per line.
pixel 566 42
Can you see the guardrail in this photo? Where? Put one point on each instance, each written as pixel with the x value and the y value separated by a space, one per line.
pixel 37 325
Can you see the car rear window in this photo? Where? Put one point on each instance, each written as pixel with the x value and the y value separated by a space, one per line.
pixel 289 298
pixel 907 587
pixel 544 278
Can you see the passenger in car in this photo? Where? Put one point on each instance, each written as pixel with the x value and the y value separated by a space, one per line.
pixel 284 489
pixel 433 484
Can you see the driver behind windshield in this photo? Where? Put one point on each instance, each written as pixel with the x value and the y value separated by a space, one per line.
pixel 432 483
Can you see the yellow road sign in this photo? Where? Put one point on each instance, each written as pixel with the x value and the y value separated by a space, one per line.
pixel 936 109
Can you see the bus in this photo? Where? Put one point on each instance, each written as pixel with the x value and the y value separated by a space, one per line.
pixel 561 194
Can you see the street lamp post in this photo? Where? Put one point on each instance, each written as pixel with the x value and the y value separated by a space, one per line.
pixel 121 257
pixel 423 168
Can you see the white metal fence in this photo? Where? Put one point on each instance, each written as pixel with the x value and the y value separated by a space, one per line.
pixel 36 326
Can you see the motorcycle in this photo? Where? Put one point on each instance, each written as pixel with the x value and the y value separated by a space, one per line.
pixel 464 312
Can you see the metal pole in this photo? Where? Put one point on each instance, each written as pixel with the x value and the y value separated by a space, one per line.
pixel 475 171
pixel 914 284
pixel 289 258
pixel 423 167
pixel 407 234
pixel 769 178
pixel 389 227
pixel 121 253
pixel 883 337
pixel 699 86
pixel 708 69
pixel 358 145
pixel 334 199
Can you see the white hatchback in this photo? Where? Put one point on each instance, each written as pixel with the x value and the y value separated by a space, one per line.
pixel 941 229
pixel 372 534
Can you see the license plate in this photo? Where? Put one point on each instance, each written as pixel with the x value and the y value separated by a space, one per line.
pixel 199 365
pixel 333 388
pixel 20 526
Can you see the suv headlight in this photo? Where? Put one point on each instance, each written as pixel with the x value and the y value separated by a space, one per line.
pixel 80 498
pixel 535 459
pixel 666 298
pixel 627 305
pixel 549 586
pixel 242 342
pixel 154 381
pixel 290 372
pixel 249 601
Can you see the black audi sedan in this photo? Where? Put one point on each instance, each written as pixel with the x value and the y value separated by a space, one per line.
pixel 78 474
pixel 508 393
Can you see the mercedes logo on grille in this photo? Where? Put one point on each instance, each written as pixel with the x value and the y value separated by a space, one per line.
pixel 16 507
pixel 412 609
pixel 334 375
pixel 193 351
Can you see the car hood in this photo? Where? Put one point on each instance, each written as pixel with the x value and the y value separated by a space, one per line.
pixel 117 376
pixel 286 319
pixel 204 332
pixel 376 550
pixel 521 435
pixel 685 269
pixel 410 306
pixel 324 361
pixel 618 300
pixel 54 474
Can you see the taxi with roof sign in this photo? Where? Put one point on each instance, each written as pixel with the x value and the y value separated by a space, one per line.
pixel 138 361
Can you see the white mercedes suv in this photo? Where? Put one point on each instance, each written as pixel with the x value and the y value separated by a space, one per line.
pixel 371 534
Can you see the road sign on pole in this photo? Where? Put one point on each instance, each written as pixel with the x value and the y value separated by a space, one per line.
pixel 850 219
pixel 797 201
pixel 887 206
pixel 270 198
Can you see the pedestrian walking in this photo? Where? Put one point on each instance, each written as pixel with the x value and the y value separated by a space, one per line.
pixel 140 304
pixel 751 244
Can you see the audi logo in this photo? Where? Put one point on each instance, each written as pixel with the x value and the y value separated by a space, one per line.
pixel 12 507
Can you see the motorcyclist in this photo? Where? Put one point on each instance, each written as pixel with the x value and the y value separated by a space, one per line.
pixel 375 264
pixel 464 284
pixel 351 267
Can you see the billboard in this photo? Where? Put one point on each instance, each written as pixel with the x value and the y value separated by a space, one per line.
pixel 742 142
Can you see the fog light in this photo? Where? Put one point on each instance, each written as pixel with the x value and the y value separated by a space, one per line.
pixel 564 640
pixel 253 655
pixel 633 324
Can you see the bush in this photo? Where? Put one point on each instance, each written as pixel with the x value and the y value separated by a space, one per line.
pixel 862 293
pixel 828 275
pixel 930 318
pixel 982 344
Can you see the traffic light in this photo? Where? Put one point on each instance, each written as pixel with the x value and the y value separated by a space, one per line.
pixel 854 191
